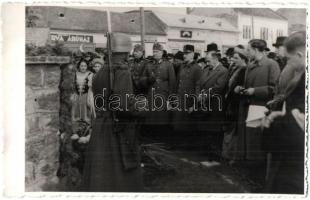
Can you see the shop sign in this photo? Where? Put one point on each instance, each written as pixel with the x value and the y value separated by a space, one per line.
pixel 186 34
pixel 71 38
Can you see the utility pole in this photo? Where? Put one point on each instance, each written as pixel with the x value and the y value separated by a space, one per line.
pixel 252 23
pixel 142 26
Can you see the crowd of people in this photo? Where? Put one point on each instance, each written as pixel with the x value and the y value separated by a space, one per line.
pixel 215 94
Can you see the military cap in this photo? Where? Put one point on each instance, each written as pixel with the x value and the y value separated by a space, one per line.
pixel 158 46
pixel 138 47
pixel 188 48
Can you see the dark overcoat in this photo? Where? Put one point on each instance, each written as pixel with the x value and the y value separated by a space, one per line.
pixel 113 158
pixel 263 76
pixel 188 80
pixel 234 134
pixel 137 67
pixel 159 78
pixel 215 81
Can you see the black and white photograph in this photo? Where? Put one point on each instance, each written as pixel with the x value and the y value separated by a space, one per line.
pixel 168 99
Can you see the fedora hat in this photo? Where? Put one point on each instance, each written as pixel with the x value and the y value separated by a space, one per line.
pixel 279 41
pixel 212 47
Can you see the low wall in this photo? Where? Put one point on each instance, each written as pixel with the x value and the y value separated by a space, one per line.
pixel 42 121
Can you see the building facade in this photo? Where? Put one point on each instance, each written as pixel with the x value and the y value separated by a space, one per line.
pixel 297 18
pixel 258 23
pixel 83 29
pixel 182 29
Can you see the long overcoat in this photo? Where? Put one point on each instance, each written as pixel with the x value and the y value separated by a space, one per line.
pixel 263 76
pixel 159 78
pixel 214 82
pixel 113 158
pixel 187 84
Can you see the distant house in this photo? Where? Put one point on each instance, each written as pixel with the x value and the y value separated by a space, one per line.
pixel 88 27
pixel 296 18
pixel 184 29
pixel 259 23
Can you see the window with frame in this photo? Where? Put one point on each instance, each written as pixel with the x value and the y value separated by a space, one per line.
pixel 264 33
pixel 246 32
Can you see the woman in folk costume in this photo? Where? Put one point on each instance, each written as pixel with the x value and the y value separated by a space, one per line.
pixel 159 79
pixel 113 159
pixel 96 64
pixel 233 142
pixel 83 79
pixel 261 77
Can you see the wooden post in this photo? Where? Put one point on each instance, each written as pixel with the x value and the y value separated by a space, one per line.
pixel 142 27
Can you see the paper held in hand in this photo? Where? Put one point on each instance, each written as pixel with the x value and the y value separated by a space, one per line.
pixel 255 116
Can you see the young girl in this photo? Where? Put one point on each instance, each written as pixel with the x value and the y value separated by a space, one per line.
pixel 83 82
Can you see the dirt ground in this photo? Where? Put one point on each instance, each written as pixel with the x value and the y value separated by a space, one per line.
pixel 189 175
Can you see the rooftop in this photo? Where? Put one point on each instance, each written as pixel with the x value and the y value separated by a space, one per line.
pixel 63 18
pixel 192 21
pixel 261 12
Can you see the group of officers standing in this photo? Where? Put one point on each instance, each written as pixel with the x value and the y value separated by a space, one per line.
pixel 251 78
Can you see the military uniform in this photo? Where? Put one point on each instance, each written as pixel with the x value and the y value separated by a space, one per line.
pixel 137 67
pixel 158 76
pixel 188 80
pixel 113 157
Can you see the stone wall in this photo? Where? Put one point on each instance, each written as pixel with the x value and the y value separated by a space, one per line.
pixel 42 125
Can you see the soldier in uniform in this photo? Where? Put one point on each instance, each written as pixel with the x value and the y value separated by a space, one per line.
pixel 159 79
pixel 112 162
pixel 188 79
pixel 137 67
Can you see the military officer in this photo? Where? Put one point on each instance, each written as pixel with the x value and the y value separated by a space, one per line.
pixel 137 67
pixel 159 79
pixel 112 162
pixel 188 79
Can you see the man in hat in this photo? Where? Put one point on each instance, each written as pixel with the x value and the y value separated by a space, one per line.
pixel 259 87
pixel 112 162
pixel 287 73
pixel 288 125
pixel 280 51
pixel 159 79
pixel 188 78
pixel 266 51
pixel 170 57
pixel 213 83
pixel 137 66
pixel 215 76
pixel 177 62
